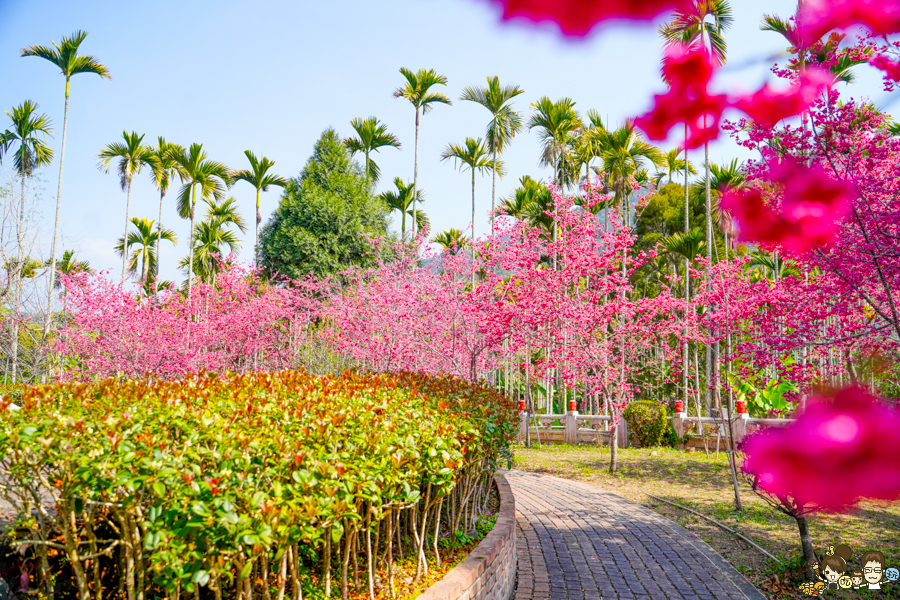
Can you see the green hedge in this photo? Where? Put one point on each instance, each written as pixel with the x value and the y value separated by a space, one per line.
pixel 221 485
pixel 647 422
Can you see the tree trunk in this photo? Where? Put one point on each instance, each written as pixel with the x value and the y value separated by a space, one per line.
pixel 17 282
pixel 415 176
pixel 191 241
pixel 493 179
pixel 162 195
pixel 709 249
pixel 709 244
pixel 687 267
pixel 473 229
pixel 258 220
pixel 806 546
pixel 614 444
pixel 145 266
pixel 125 237
pixel 62 157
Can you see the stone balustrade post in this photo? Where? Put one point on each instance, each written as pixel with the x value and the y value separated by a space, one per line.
pixel 623 433
pixel 523 426
pixel 740 427
pixel 678 424
pixel 572 427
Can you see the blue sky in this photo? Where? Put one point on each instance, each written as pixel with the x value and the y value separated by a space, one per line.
pixel 271 75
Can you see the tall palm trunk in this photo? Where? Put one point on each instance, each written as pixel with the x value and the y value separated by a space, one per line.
pixel 17 282
pixel 162 195
pixel 687 274
pixel 367 170
pixel 191 242
pixel 145 266
pixel 62 156
pixel 709 242
pixel 494 178
pixel 125 238
pixel 557 176
pixel 415 176
pixel 258 220
pixel 473 234
pixel 708 368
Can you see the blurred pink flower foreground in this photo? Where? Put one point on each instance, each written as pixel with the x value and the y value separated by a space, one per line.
pixel 578 17
pixel 839 450
pixel 812 207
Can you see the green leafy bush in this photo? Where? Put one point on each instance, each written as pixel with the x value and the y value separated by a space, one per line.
pixel 671 436
pixel 647 422
pixel 228 483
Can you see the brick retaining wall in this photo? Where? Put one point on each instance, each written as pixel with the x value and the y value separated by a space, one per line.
pixel 489 572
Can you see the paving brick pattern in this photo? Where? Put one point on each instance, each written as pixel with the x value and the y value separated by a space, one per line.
pixel 577 542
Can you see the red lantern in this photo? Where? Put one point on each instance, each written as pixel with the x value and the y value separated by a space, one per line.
pixel 521 406
pixel 741 407
pixel 572 406
pixel 679 406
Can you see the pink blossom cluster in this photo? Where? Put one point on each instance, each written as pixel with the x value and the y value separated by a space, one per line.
pixel 239 324
pixel 689 71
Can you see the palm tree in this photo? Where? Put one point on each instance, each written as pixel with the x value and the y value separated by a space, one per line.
pixel 66 58
pixel 452 240
pixel 472 154
pixel 505 122
pixel 210 237
pixel 722 178
pixel 372 136
pixel 416 91
pixel 133 157
pixel 146 244
pixel 531 202
pixel 29 132
pixel 589 144
pixel 226 212
pixel 703 22
pixel 686 245
pixel 771 263
pixel 195 169
pixel 673 165
pixel 402 201
pixel 557 121
pixel 421 219
pixel 162 169
pixel 624 154
pixel 68 266
pixel 259 177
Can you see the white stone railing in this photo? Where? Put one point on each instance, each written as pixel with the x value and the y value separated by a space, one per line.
pixel 573 428
pixel 742 425
pixel 569 428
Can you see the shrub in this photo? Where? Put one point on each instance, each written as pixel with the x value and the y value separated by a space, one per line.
pixel 228 482
pixel 647 422
pixel 671 437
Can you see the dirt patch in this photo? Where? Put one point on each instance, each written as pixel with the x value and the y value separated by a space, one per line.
pixel 703 483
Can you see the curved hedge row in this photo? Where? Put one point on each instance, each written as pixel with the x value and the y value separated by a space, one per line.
pixel 223 485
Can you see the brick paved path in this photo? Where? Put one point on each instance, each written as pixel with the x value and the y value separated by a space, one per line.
pixel 577 542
